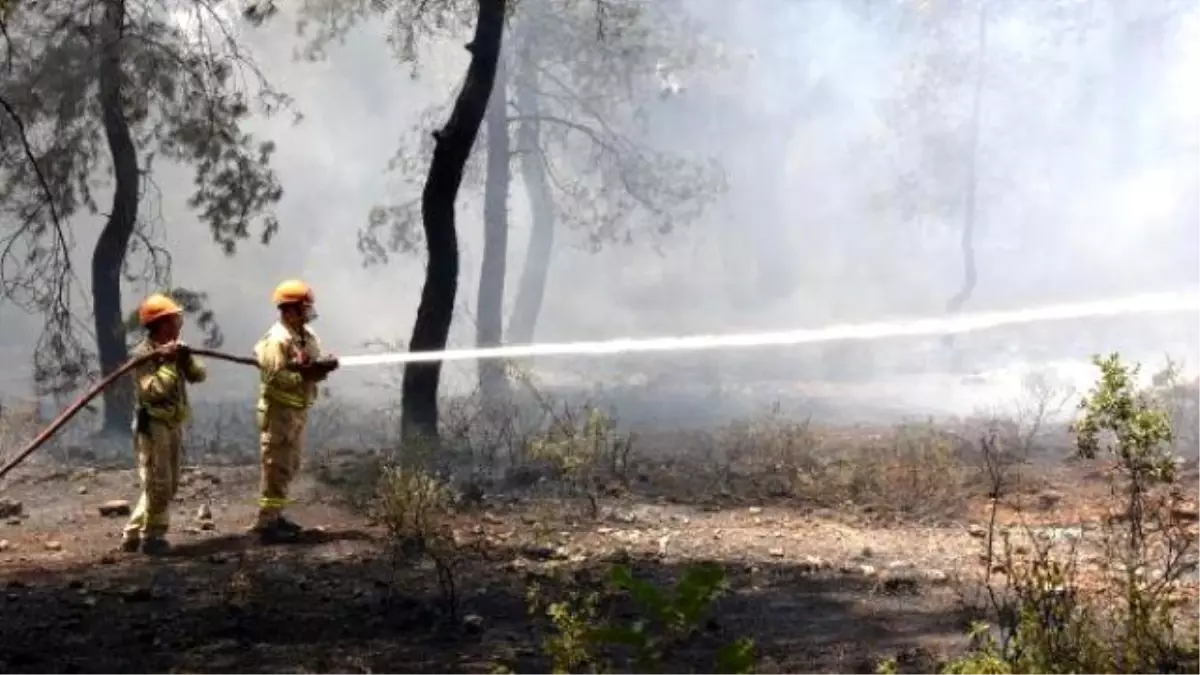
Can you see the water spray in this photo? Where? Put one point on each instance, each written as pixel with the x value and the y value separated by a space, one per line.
pixel 1156 303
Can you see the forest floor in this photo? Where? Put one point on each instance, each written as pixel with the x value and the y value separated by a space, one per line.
pixel 821 585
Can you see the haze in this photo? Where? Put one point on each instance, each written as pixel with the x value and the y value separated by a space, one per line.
pixel 812 227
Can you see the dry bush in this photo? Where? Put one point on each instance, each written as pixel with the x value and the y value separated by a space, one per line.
pixel 20 421
pixel 1009 449
pixel 416 508
pixel 223 433
pixel 912 471
pixel 1107 599
pixel 586 452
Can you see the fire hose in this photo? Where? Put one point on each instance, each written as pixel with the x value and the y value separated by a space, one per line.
pixel 72 410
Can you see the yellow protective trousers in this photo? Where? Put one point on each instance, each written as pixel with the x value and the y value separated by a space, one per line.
pixel 281 442
pixel 159 449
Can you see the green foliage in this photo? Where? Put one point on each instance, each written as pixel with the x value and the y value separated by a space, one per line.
pixel 585 68
pixel 1127 423
pixel 413 506
pixel 585 452
pixel 1052 622
pixel 186 93
pixel 585 637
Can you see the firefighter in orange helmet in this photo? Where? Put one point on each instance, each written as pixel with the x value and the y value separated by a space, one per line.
pixel 160 409
pixel 291 366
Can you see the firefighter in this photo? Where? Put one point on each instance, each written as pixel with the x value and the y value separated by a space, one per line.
pixel 291 366
pixel 160 409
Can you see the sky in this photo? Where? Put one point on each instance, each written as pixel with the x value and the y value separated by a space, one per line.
pixel 802 116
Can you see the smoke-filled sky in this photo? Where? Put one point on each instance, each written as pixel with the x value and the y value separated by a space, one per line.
pixel 844 167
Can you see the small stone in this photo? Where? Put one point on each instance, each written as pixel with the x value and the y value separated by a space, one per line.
pixel 604 530
pixel 204 512
pixel 1048 500
pixel 14 521
pixel 775 553
pixel 53 545
pixel 866 570
pixel 811 564
pixel 626 517
pixel 1187 515
pixel 473 624
pixel 937 576
pixel 114 508
pixel 208 525
pixel 492 518
pixel 11 508
pixel 4 545
pixel 867 552
pixel 755 510
pixel 82 489
pixel 139 594
pixel 977 531
pixel 108 559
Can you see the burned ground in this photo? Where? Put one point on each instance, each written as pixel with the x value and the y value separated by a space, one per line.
pixel 831 584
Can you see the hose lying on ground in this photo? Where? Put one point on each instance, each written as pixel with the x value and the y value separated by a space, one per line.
pixel 66 415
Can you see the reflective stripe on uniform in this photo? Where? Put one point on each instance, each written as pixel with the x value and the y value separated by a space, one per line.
pixel 272 502
pixel 167 373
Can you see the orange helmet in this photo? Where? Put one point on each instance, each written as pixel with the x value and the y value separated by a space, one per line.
pixel 156 307
pixel 293 291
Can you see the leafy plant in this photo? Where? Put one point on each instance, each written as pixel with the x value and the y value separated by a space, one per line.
pixel 665 619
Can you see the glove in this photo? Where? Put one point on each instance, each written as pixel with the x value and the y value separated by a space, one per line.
pixel 183 353
pixel 318 370
pixel 169 351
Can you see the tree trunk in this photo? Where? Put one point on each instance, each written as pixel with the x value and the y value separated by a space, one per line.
pixel 489 323
pixel 971 186
pixel 971 190
pixel 109 255
pixel 531 289
pixel 419 409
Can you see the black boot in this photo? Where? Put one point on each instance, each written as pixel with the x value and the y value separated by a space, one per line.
pixel 156 546
pixel 276 532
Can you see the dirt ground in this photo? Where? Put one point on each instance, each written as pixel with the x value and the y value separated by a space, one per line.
pixel 818 589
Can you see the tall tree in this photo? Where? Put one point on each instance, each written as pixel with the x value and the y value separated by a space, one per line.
pixel 576 98
pixel 531 287
pixel 489 319
pixel 133 81
pixel 449 153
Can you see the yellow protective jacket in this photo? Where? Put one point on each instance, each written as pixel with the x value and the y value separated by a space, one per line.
pixel 281 386
pixel 160 387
